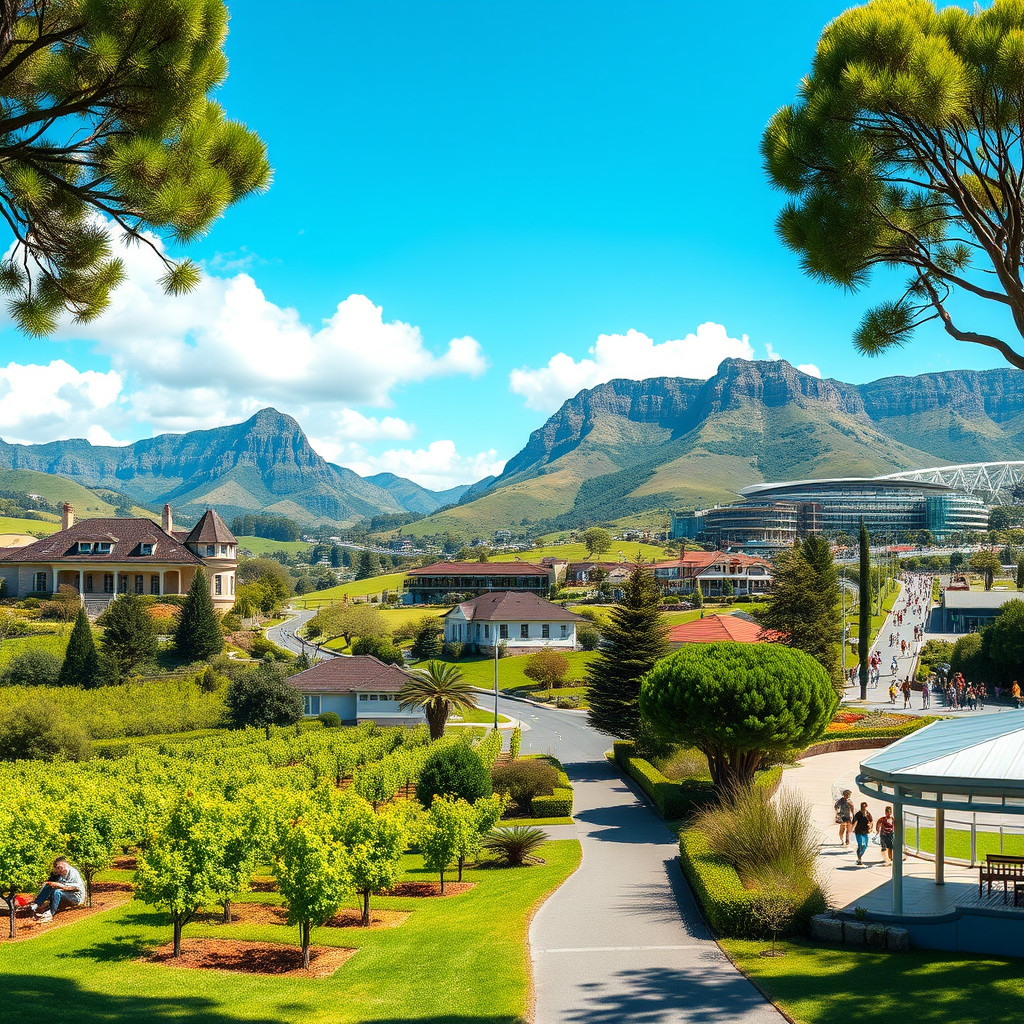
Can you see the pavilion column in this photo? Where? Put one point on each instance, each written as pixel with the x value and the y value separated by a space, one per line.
pixel 163 589
pixel 940 845
pixel 897 858
pixel 81 585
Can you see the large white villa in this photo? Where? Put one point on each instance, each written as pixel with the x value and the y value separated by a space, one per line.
pixel 521 621
pixel 101 558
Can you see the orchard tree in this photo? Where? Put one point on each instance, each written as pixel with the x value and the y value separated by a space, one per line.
pixel 347 620
pixel 739 704
pixel 596 540
pixel 377 781
pixel 128 639
pixel 440 835
pixel 197 635
pixel 261 697
pixel 106 114
pixel 94 826
pixel 374 844
pixel 311 869
pixel 439 689
pixel 81 666
pixel 476 820
pixel 903 151
pixel 183 865
pixel 631 644
pixel 29 840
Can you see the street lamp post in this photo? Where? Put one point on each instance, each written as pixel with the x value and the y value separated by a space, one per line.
pixel 495 682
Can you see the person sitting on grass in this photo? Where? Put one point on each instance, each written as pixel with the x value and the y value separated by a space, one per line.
pixel 64 888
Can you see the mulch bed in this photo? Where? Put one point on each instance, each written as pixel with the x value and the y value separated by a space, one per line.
pixel 127 863
pixel 105 896
pixel 251 957
pixel 429 889
pixel 263 883
pixel 268 913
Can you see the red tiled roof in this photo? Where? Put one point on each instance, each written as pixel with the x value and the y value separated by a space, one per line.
pixel 350 675
pixel 480 569
pixel 691 560
pixel 720 627
pixel 125 536
pixel 513 606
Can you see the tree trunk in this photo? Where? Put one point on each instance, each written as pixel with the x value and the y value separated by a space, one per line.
pixel 227 912
pixel 462 860
pixel 10 904
pixel 436 721
pixel 304 930
pixel 88 872
pixel 266 729
pixel 177 936
pixel 366 909
pixel 442 881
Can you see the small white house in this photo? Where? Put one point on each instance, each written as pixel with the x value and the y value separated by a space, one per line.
pixel 356 689
pixel 522 622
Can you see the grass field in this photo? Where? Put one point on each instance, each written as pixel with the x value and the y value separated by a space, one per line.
pixel 480 671
pixel 54 643
pixel 9 524
pixel 357 588
pixel 458 959
pixel 958 842
pixel 815 985
pixel 262 546
pixel 578 553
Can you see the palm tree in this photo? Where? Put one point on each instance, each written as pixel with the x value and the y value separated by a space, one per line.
pixel 439 689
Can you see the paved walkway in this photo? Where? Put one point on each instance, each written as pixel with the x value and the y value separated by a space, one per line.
pixel 622 941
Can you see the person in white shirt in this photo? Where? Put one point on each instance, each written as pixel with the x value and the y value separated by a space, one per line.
pixel 63 888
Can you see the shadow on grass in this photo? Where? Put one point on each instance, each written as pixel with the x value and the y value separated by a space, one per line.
pixel 39 999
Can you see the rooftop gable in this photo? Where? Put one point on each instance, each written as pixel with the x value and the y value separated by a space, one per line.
pixel 210 529
pixel 513 606
pixel 350 674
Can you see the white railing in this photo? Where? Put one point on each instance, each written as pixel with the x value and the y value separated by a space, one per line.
pixel 1008 833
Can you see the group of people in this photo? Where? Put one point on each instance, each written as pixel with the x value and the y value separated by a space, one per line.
pixel 861 824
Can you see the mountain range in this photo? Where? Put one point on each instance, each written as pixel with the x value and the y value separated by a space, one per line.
pixel 622 449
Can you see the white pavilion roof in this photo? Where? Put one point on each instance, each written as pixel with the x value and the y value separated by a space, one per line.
pixel 986 752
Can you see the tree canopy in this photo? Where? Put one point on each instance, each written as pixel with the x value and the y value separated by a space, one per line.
pixel 105 114
pixel 197 634
pixel 903 150
pixel 597 540
pixel 738 703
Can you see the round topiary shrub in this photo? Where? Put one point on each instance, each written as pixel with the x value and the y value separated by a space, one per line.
pixel 523 779
pixel 330 720
pixel 588 638
pixel 452 770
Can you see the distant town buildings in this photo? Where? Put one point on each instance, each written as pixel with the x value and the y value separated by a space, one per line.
pixel 429 584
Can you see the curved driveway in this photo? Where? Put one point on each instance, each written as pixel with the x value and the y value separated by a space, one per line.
pixel 621 941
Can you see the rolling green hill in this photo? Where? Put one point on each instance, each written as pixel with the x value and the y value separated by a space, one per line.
pixel 58 489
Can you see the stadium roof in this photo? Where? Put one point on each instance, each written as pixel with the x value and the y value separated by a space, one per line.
pixel 847 481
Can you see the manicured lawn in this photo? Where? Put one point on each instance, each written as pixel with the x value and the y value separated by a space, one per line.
pixel 958 842
pixel 578 553
pixel 480 671
pixel 262 546
pixel 536 821
pixel 816 985
pixel 457 959
pixel 51 642
pixel 10 524
pixel 357 588
pixel 481 714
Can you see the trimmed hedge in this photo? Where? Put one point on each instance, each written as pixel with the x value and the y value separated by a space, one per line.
pixel 727 904
pixel 673 799
pixel 558 805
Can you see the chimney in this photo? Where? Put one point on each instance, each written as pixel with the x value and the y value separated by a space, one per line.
pixel 67 517
pixel 168 521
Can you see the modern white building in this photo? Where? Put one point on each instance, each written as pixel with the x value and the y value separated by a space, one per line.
pixel 522 622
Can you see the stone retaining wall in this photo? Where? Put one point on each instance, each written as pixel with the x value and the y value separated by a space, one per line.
pixel 866 934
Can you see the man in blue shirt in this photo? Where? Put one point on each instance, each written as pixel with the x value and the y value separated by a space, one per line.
pixel 64 888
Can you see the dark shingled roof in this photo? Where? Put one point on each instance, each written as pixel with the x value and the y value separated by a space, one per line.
pixel 350 675
pixel 124 535
pixel 211 529
pixel 513 606
pixel 480 569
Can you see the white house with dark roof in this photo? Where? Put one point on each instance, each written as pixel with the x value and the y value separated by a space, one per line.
pixel 357 689
pixel 101 558
pixel 522 622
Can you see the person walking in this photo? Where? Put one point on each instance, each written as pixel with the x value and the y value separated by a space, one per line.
pixel 905 690
pixel 844 817
pixel 926 694
pixel 886 829
pixel 1015 693
pixel 862 830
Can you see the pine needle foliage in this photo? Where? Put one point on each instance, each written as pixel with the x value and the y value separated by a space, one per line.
pixel 81 665
pixel 632 641
pixel 902 151
pixel 197 635
pixel 129 640
pixel 105 119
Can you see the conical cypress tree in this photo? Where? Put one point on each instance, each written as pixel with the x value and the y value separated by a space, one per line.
pixel 631 643
pixel 81 662
pixel 197 635
pixel 129 639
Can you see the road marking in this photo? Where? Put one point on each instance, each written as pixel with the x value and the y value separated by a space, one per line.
pixel 615 949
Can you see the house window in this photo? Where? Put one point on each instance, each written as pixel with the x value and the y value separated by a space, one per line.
pixel 373 696
pixel 102 547
pixel 140 584
pixel 524 631
pixel 503 631
pixel 88 582
pixel 145 549
pixel 218 586
pixel 154 585
pixel 487 631
pixel 364 696
pixel 210 548
pixel 39 582
pixel 565 630
pixel 311 704
pixel 108 583
pixel 220 549
pixel 84 547
pixel 122 584
pixel 545 631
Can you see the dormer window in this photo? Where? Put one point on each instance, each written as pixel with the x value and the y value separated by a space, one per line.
pixel 102 547
pixel 85 547
pixel 145 549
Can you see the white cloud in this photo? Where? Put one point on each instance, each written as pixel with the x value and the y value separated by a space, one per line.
pixel 438 466
pixel 770 352
pixel 633 356
pixel 55 401
pixel 810 369
pixel 352 425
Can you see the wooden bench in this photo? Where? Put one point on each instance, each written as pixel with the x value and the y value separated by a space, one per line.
pixel 1000 867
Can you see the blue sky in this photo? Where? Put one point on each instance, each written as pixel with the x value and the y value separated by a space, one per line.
pixel 522 177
